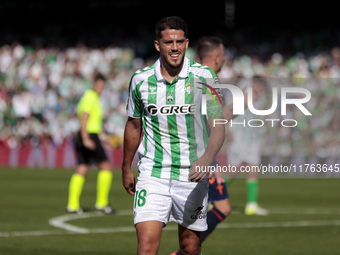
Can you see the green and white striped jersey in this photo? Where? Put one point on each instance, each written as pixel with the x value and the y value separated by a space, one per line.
pixel 175 131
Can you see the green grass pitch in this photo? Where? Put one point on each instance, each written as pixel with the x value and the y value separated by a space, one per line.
pixel 304 218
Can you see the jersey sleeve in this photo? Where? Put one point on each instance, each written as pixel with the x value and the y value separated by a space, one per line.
pixel 87 102
pixel 215 98
pixel 134 107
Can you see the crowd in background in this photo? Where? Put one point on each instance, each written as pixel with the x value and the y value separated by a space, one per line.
pixel 40 88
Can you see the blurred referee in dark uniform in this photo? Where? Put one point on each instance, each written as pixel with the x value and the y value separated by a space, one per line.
pixel 89 150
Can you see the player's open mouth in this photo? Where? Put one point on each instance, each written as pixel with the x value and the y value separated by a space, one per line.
pixel 174 56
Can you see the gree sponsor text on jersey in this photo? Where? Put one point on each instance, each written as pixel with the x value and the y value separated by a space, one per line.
pixel 153 110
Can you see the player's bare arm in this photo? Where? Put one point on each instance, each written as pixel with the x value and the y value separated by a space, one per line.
pixel 132 139
pixel 85 136
pixel 215 143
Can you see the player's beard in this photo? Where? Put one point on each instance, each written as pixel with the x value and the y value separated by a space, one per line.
pixel 176 66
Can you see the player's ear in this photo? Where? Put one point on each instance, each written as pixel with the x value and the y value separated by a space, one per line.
pixel 186 43
pixel 215 58
pixel 156 43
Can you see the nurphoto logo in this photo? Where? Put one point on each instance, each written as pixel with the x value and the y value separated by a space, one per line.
pixel 238 103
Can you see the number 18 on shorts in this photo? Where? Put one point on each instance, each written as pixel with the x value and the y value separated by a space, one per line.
pixel 159 199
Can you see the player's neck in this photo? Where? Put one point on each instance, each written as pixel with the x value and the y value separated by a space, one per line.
pixel 168 72
pixel 209 63
pixel 97 92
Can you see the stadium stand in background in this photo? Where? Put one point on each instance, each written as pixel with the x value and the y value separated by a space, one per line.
pixel 39 90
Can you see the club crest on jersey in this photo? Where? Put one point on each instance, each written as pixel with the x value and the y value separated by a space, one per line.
pixel 188 88
pixel 170 98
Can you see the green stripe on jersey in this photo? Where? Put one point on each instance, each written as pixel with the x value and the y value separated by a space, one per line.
pixel 158 158
pixel 190 120
pixel 138 105
pixel 203 119
pixel 146 135
pixel 173 132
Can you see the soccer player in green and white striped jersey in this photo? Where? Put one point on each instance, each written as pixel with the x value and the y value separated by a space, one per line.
pixel 167 126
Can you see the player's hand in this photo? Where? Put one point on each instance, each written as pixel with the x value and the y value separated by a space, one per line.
pixel 129 182
pixel 89 144
pixel 199 169
pixel 105 140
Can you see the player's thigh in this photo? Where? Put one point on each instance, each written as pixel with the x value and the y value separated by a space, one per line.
pixel 189 240
pixel 218 195
pixel 236 153
pixel 223 206
pixel 253 156
pixel 252 160
pixel 82 169
pixel 83 154
pixel 149 236
pixel 99 155
pixel 252 174
pixel 105 165
pixel 189 204
pixel 152 200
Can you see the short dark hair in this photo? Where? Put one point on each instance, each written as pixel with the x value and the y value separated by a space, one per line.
pixel 171 22
pixel 98 77
pixel 207 44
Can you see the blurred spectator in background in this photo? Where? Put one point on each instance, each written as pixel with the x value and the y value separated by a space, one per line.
pixel 39 90
pixel 21 104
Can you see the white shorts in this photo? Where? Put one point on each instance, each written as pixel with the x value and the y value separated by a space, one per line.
pixel 185 202
pixel 247 153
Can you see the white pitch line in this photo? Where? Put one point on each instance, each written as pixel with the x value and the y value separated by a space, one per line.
pixel 284 224
pixel 59 222
pixel 271 211
pixel 304 211
pixel 32 233
pixel 124 212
